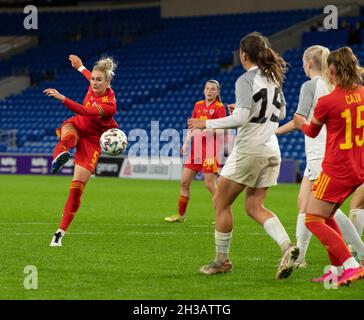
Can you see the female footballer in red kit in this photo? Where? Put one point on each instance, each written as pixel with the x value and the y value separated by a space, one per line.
pixel 83 132
pixel 204 153
pixel 342 111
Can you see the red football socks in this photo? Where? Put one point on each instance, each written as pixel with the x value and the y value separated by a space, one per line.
pixel 68 142
pixel 182 205
pixel 327 231
pixel 73 203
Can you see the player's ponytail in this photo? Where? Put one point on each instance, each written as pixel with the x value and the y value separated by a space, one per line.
pixel 106 65
pixel 348 70
pixel 259 51
pixel 317 56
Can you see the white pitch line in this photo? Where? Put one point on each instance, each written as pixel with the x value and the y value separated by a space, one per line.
pixel 119 233
pixel 164 225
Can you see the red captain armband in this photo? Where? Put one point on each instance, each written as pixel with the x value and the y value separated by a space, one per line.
pixel 311 130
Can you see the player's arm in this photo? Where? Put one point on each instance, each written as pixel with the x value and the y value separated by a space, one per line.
pixel 312 130
pixel 187 141
pixel 319 119
pixel 97 109
pixel 287 127
pixel 239 117
pixel 282 107
pixel 304 107
pixel 305 102
pixel 220 113
pixel 190 134
pixel 77 64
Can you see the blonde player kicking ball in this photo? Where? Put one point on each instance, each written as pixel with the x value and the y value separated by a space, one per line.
pixel 83 132
pixel 315 67
pixel 253 164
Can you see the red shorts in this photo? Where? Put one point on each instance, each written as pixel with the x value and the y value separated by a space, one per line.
pixel 87 154
pixel 209 165
pixel 331 189
pixel 88 150
pixel 204 163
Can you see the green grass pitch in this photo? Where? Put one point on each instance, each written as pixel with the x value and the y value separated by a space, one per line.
pixel 119 247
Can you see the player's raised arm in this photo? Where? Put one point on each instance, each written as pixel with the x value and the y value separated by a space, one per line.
pixel 77 64
pixel 98 108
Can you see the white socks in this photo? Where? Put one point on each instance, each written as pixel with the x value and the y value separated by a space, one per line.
pixel 222 242
pixel 349 232
pixel 303 236
pixel 276 230
pixel 357 218
pixel 351 263
pixel 61 231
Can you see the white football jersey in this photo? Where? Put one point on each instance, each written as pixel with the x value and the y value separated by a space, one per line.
pixel 311 91
pixel 265 100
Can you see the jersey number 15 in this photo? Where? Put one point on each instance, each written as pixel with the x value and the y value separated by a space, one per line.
pixel 346 114
pixel 263 95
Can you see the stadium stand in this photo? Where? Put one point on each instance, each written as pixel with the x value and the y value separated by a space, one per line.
pixel 163 64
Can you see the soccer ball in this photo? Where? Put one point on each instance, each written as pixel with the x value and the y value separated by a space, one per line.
pixel 113 141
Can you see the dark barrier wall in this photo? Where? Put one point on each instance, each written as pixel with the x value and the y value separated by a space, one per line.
pixel 178 8
pixel 107 166
pixel 41 164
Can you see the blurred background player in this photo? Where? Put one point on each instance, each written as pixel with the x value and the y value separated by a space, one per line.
pixel 315 67
pixel 83 131
pixel 255 160
pixel 343 165
pixel 204 154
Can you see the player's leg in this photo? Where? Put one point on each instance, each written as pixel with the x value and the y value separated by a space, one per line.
pixel 356 214
pixel 184 197
pixel 357 210
pixel 210 181
pixel 226 192
pixel 68 139
pixel 210 169
pixel 320 223
pixel 303 235
pixel 80 178
pixel 350 234
pixel 86 158
pixel 254 205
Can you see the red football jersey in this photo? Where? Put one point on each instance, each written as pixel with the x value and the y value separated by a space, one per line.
pixel 201 111
pixel 96 114
pixel 343 113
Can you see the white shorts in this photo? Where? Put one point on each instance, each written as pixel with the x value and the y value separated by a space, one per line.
pixel 313 169
pixel 252 171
